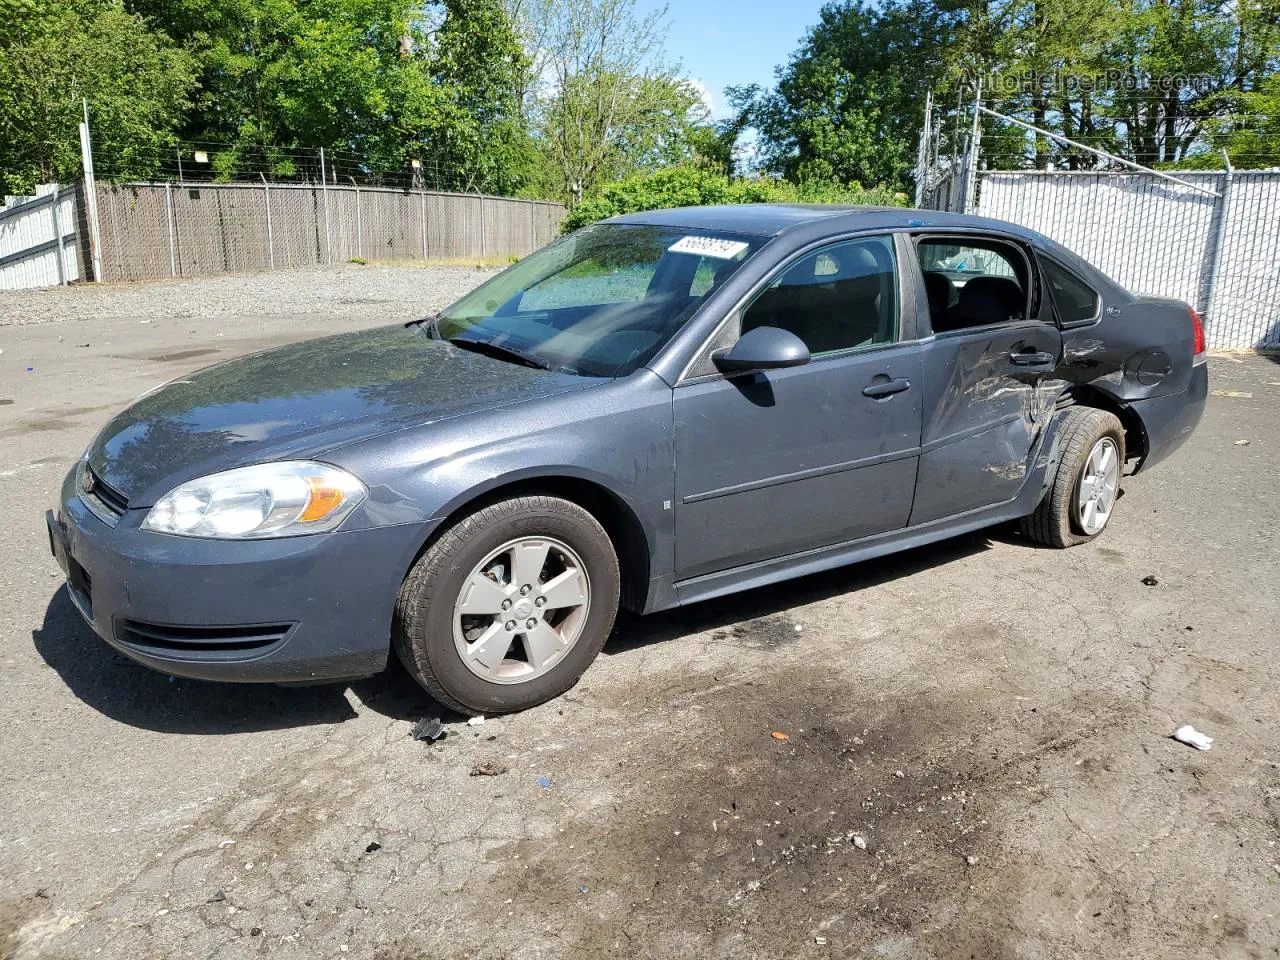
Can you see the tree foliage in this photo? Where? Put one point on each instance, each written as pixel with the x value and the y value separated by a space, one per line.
pixel 388 81
pixel 1164 79
pixel 268 82
pixel 136 81
pixel 691 186
pixel 561 98
pixel 1160 82
pixel 605 102
pixel 848 106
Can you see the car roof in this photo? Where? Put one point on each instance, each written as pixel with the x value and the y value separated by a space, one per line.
pixel 771 219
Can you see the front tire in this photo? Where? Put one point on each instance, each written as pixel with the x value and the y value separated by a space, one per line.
pixel 1079 505
pixel 509 606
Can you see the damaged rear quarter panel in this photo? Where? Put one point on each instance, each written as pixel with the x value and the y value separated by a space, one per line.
pixel 1138 348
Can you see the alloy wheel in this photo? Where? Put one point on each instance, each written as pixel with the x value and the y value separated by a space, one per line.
pixel 521 610
pixel 1099 483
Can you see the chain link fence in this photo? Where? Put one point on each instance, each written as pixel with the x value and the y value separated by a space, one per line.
pixel 1221 254
pixel 154 230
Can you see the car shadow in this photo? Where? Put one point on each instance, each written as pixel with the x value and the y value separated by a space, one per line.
pixel 726 612
pixel 132 694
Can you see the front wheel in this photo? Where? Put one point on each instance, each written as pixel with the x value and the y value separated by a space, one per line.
pixel 1082 499
pixel 509 606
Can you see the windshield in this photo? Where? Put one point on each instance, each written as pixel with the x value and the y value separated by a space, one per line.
pixel 601 302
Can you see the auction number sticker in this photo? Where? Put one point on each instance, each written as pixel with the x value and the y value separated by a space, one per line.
pixel 709 247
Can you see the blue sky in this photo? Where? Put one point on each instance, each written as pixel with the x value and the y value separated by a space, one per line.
pixel 725 42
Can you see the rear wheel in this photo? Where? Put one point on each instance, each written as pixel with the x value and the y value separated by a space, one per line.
pixel 1080 503
pixel 509 606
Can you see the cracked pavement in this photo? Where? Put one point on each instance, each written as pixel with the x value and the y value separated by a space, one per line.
pixel 988 720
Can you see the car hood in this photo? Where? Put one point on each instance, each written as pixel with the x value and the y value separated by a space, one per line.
pixel 300 400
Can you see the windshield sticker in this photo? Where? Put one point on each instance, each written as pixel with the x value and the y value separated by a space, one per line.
pixel 709 247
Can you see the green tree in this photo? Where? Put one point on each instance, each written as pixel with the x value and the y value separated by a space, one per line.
pixel 715 146
pixel 1178 77
pixel 1249 129
pixel 848 106
pixel 691 186
pixel 136 81
pixel 379 82
pixel 460 108
pixel 606 102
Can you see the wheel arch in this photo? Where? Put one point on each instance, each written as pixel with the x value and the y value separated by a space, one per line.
pixel 620 521
pixel 1135 431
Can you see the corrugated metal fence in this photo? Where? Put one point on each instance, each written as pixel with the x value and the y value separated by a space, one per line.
pixel 39 240
pixel 149 231
pixel 1220 254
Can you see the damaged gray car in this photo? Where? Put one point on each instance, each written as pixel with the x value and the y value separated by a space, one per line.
pixel 655 410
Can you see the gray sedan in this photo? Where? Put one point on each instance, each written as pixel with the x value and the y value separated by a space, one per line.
pixel 656 410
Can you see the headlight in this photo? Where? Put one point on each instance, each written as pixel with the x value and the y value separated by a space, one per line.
pixel 284 499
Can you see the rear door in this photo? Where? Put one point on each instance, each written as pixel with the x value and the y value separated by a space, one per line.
pixel 988 372
pixel 773 463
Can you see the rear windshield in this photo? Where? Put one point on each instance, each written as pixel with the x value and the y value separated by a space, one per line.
pixel 602 301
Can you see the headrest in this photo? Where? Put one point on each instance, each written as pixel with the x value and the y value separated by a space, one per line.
pixel 995 297
pixel 940 290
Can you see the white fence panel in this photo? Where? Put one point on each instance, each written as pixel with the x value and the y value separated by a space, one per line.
pixel 1155 237
pixel 1246 298
pixel 38 240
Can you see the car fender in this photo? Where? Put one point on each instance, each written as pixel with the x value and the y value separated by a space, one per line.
pixel 616 437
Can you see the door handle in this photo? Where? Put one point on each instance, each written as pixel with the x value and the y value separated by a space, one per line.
pixel 1031 358
pixel 885 388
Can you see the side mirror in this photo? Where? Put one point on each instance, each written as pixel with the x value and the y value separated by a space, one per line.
pixel 764 348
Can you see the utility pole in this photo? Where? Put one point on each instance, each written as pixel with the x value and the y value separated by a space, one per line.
pixel 271 244
pixel 324 192
pixel 922 155
pixel 1208 308
pixel 90 194
pixel 975 137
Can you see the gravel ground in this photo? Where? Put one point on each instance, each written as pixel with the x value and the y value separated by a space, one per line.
pixel 369 294
pixel 979 760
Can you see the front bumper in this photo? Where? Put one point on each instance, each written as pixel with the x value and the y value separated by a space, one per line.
pixel 1170 420
pixel 295 609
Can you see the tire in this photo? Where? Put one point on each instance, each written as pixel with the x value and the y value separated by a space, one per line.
pixel 1059 520
pixel 437 639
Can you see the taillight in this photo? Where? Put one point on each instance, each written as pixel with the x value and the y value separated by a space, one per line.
pixel 1197 330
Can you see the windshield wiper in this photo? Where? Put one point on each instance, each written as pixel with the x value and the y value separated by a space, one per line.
pixel 501 351
pixel 430 323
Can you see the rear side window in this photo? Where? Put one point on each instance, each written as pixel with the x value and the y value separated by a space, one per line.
pixel 840 297
pixel 1073 299
pixel 972 282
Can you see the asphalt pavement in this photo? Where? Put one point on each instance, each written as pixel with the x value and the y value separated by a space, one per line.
pixel 977 757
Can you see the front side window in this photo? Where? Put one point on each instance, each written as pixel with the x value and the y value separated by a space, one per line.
pixel 972 283
pixel 840 297
pixel 1073 299
pixel 601 302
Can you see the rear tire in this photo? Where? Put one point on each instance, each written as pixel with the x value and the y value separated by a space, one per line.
pixel 509 606
pixel 1079 505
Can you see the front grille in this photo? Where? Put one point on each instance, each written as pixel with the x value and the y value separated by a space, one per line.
pixel 113 499
pixel 162 639
pixel 103 500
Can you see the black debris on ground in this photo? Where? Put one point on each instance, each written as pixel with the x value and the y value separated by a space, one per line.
pixel 429 729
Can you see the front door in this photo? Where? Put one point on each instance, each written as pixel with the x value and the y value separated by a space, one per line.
pixel 987 375
pixel 773 463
